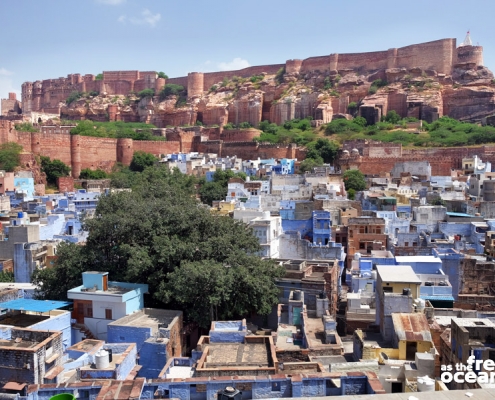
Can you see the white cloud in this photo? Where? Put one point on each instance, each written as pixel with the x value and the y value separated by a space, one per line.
pixel 236 63
pixel 5 72
pixel 111 2
pixel 146 18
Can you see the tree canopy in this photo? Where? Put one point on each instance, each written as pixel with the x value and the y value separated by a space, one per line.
pixel 160 235
pixel 217 189
pixel 9 156
pixel 53 169
pixel 142 160
pixel 354 179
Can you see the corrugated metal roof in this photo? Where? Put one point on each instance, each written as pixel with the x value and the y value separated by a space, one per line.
pixel 34 305
pixel 411 327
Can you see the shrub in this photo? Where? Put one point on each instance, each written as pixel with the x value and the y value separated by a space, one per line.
pixel 256 78
pixel 171 89
pixel 25 127
pixel 146 93
pixel 162 75
pixel 392 117
pixel 279 76
pixel 53 169
pixel 73 96
pixel 94 93
pixel 213 88
pixel 245 125
pixel 87 173
pixel 99 77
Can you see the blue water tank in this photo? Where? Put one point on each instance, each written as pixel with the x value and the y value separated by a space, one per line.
pixel 20 214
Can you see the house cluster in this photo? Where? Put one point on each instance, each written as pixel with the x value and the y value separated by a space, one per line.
pixel 381 294
pixel 32 225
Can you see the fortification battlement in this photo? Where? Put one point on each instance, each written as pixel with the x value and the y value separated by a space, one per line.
pixel 439 55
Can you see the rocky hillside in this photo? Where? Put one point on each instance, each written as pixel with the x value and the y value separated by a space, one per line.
pixel 468 94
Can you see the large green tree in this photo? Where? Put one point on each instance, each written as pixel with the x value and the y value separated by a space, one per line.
pixel 142 160
pixel 54 169
pixel 354 179
pixel 159 234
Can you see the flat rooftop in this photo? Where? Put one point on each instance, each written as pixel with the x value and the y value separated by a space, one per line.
pixel 397 273
pixel 415 259
pixel 149 318
pixel 473 322
pixel 238 354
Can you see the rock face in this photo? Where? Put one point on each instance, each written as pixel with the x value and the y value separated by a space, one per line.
pixel 426 81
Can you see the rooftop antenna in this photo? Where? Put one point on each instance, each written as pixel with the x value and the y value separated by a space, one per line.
pixel 467 40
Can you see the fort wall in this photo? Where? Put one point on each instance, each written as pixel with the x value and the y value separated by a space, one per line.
pixel 440 55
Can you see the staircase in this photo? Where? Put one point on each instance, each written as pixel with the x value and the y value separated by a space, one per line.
pixel 84 329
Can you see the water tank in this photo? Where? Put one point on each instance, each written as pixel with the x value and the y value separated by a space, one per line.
pixel 357 256
pixel 229 393
pixel 102 359
pixel 20 214
pixel 374 275
pixel 63 396
pixel 266 214
pixel 296 295
pixel 420 305
pixel 426 384
pixel 406 292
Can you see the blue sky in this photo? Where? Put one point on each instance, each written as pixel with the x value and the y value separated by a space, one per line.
pixel 42 39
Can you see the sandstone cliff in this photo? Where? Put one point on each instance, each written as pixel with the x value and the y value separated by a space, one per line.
pixel 467 94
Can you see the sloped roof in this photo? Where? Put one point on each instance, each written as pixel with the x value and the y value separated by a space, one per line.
pixel 411 327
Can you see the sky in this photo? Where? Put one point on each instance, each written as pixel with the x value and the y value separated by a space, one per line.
pixel 46 39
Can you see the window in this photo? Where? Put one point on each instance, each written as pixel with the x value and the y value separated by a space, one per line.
pixel 276 387
pixel 108 313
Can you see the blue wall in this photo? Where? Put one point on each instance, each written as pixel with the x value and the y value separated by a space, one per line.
pixel 152 358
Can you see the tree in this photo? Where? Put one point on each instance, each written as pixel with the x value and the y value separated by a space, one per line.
pixel 99 77
pixel 354 179
pixel 171 89
pixel 9 156
pixel 146 93
pixel 87 173
pixel 142 160
pixel 323 148
pixel 7 276
pixel 217 189
pixel 53 169
pixel 309 163
pixel 392 117
pixel 160 235
pixel 162 75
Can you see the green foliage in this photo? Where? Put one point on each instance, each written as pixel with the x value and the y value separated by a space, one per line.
pixel 87 173
pixel 25 127
pixel 75 95
pixel 146 93
pixel 53 169
pixel 217 189
pixel 327 84
pixel 392 117
pixel 9 156
pixel 99 77
pixel 354 179
pixel 297 131
pixel 116 129
pixel 94 93
pixel 245 125
pixel 229 125
pixel 171 89
pixel 142 160
pixel 158 235
pixel 213 88
pixel 378 83
pixel 7 276
pixel 343 125
pixel 323 148
pixel 351 194
pixel 352 106
pixel 256 78
pixel 279 76
pixel 309 163
pixel 162 75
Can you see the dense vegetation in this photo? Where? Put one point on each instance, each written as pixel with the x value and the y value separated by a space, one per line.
pixel 217 189
pixel 160 234
pixel 53 169
pixel 118 129
pixel 9 156
pixel 444 132
pixel 295 131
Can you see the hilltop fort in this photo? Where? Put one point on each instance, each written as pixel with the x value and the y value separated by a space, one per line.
pixel 425 81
